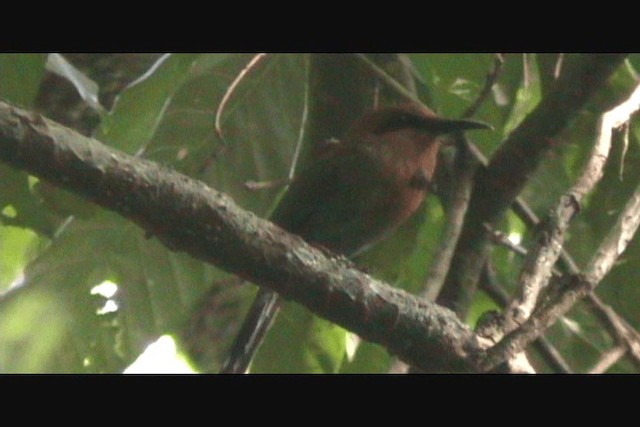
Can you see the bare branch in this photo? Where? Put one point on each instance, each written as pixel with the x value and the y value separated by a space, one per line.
pixel 499 238
pixel 303 124
pixel 540 261
pixel 538 265
pixel 232 87
pixel 497 186
pixel 618 327
pixel 608 359
pixel 464 168
pixel 264 185
pixel 565 294
pixel 549 353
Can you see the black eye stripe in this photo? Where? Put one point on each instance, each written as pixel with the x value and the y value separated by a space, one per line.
pixel 397 122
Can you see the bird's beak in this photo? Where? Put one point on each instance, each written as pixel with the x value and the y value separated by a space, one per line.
pixel 442 126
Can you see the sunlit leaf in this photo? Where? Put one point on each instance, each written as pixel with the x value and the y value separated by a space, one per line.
pixel 14 245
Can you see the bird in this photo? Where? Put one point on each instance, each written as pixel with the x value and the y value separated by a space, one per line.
pixel 354 195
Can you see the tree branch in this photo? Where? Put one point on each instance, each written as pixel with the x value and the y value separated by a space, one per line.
pixel 464 167
pixel 539 262
pixel 608 359
pixel 188 216
pixel 623 333
pixel 565 294
pixel 490 285
pixel 538 265
pixel 489 83
pixel 497 186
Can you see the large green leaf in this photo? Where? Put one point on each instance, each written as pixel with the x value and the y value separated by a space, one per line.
pixel 20 76
pixel 170 112
pixel 14 246
pixel 31 331
pixel 138 111
pixel 300 342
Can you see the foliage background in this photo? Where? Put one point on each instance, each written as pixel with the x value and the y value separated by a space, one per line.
pixel 55 248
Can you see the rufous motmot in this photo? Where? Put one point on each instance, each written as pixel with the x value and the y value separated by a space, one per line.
pixel 356 194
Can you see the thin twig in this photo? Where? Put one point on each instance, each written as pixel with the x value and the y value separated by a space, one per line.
pixel 265 185
pixel 232 87
pixel 606 313
pixel 500 238
pixel 489 284
pixel 464 169
pixel 512 166
pixel 519 206
pixel 261 185
pixel 568 293
pixel 389 81
pixel 490 81
pixel 491 287
pixel 618 327
pixel 611 319
pixel 303 124
pixel 558 67
pixel 608 359
pixel 552 356
pixel 538 266
pixel 537 270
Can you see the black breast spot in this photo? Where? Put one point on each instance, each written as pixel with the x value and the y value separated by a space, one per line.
pixel 420 181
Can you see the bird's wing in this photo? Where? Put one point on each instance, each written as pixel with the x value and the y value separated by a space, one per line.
pixel 335 203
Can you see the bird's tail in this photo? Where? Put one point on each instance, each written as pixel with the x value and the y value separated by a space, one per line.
pixel 256 324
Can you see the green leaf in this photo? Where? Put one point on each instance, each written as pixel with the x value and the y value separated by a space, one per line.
pixel 160 291
pixel 18 204
pixel 528 95
pixel 300 342
pixel 157 290
pixel 369 359
pixel 457 80
pixel 139 108
pixel 14 247
pixel 31 330
pixel 21 76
